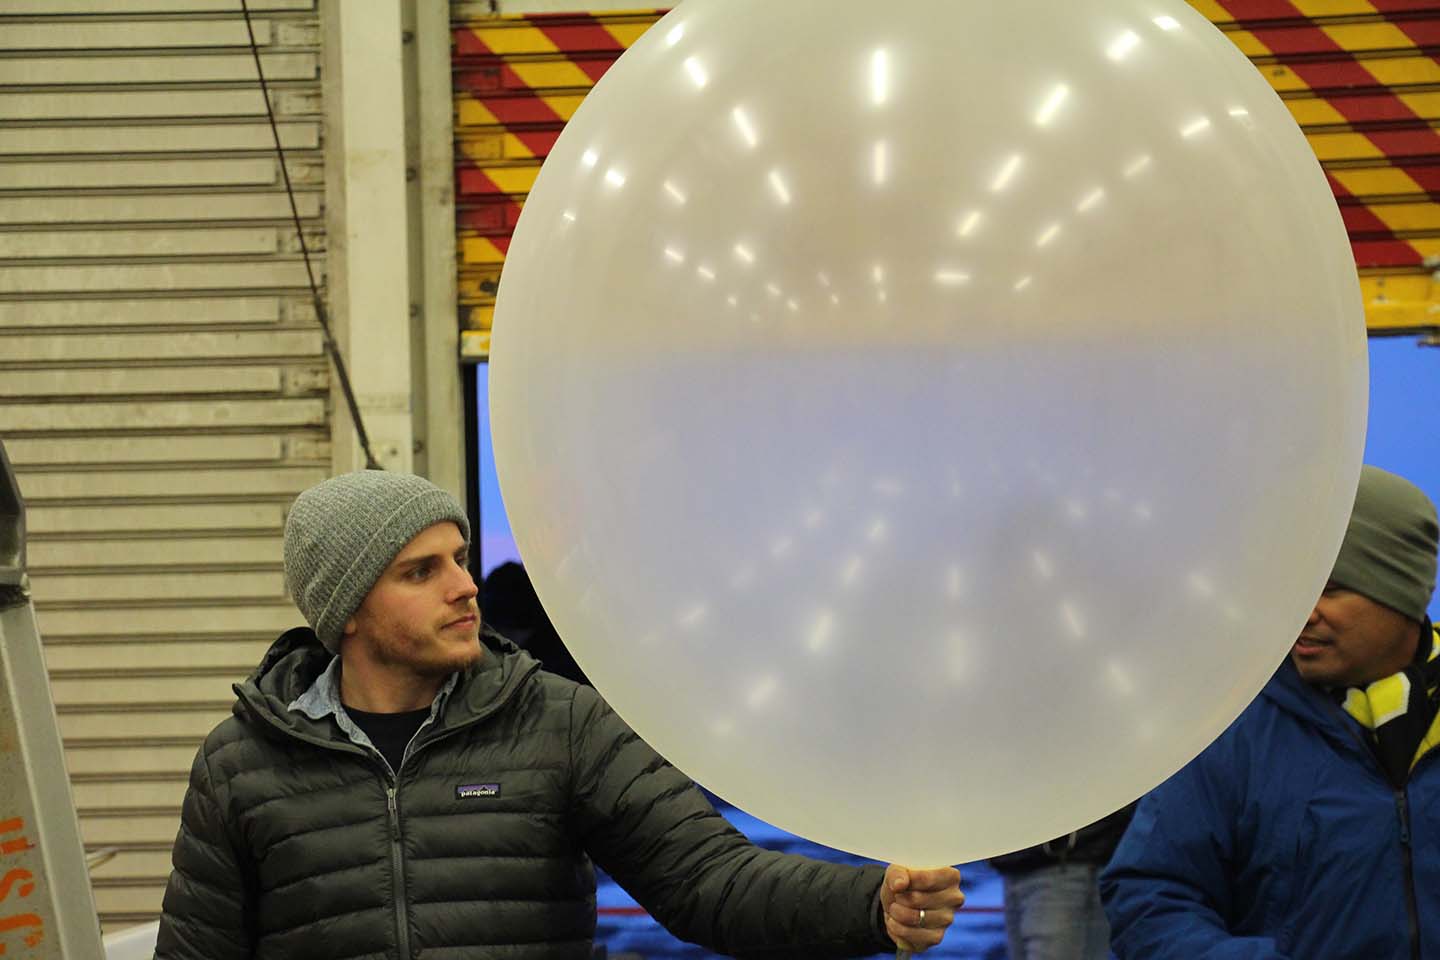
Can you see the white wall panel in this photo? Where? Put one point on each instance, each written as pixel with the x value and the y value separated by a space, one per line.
pixel 96 622
pixel 141 794
pixel 148 312
pixel 156 138
pixel 83 35
pixel 161 416
pixel 195 242
pixel 149 208
pixel 53 71
pixel 76 7
pixel 235 656
pixel 38 488
pixel 140 104
pixel 100 174
pixel 45 383
pixel 181 345
pixel 152 520
pixel 187 554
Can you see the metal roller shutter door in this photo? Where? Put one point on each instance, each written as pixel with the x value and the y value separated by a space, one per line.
pixel 163 391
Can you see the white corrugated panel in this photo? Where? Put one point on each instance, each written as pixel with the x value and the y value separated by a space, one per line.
pixel 163 390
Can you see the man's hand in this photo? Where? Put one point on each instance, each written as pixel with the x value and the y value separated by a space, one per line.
pixel 919 905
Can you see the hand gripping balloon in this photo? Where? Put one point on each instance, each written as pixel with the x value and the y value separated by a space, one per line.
pixel 967 396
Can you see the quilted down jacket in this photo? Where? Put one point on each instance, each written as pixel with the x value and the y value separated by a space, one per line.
pixel 296 844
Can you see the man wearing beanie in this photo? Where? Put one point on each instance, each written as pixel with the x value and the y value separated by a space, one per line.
pixel 1311 828
pixel 394 784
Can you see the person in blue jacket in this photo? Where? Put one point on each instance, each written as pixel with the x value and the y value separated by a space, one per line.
pixel 1310 829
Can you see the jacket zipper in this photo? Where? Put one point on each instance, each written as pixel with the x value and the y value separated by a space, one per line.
pixel 1402 808
pixel 397 866
pixel 1407 853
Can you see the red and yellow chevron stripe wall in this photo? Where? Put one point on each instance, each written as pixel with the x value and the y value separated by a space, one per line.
pixel 1362 77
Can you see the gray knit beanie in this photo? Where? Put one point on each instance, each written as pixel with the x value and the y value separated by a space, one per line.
pixel 1389 549
pixel 343 532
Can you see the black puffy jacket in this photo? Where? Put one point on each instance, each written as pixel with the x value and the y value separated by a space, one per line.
pixel 295 843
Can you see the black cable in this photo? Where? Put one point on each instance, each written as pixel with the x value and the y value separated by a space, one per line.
pixel 330 346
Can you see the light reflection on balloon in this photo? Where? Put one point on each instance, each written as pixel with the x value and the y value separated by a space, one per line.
pixel 874 405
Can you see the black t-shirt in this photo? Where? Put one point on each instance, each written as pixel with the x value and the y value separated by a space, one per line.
pixel 390 732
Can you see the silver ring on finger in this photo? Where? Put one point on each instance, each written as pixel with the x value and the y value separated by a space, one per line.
pixel 922 916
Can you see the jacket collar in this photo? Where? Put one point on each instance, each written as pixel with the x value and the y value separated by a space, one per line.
pixel 1311 706
pixel 292 675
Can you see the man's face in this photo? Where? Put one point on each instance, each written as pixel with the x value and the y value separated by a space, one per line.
pixel 421 616
pixel 1350 640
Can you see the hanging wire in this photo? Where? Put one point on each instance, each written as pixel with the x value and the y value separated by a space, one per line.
pixel 331 347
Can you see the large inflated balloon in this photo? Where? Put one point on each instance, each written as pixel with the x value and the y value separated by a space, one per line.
pixel 929 423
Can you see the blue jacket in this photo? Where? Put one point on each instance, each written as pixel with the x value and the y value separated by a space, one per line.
pixel 1282 840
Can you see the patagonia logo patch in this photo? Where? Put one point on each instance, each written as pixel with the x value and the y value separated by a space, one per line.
pixel 475 791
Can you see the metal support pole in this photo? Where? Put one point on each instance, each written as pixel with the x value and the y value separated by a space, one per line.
pixel 46 907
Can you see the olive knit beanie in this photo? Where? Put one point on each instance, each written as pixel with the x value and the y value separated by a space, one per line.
pixel 1389 550
pixel 342 533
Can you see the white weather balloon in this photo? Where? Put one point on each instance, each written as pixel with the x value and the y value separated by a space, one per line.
pixel 929 423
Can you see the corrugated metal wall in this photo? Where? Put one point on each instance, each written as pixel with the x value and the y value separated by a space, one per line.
pixel 163 393
pixel 1360 76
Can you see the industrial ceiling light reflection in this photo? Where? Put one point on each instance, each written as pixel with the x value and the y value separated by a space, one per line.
pixel 835 299
pixel 744 253
pixel 850 572
pixel 1048 235
pixel 705 273
pixel 1195 127
pixel 1074 623
pixel 615 178
pixel 1022 283
pixel 1167 23
pixel 946 277
pixel 733 300
pixel 675 35
pixel 1006 173
pixel 880 162
pixel 969 223
pixel 590 158
pixel 1090 199
pixel 761 692
pixel 1053 102
pixel 1119 678
pixel 1238 112
pixel 824 279
pixel 1122 45
pixel 746 128
pixel 697 73
pixel 819 637
pixel 673 255
pixel 1200 586
pixel 793 304
pixel 882 296
pixel 879 77
pixel 693 617
pixel 779 187
pixel 954 582
pixel 877 273
pixel 772 289
pixel 1137 166
pixel 675 192
pixel 569 216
